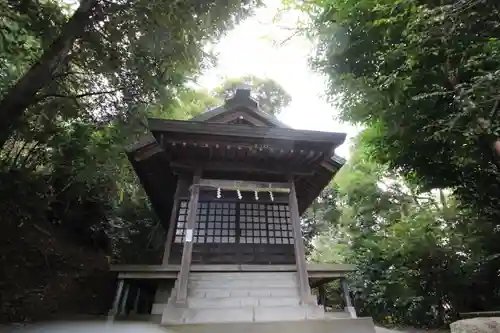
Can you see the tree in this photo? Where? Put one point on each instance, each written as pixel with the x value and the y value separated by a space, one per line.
pixel 419 69
pixel 131 52
pixel 421 77
pixel 23 93
pixel 70 198
pixel 190 102
pixel 272 98
pixel 414 254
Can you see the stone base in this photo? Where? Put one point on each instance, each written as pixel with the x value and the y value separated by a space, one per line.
pixel 358 325
pixel 177 316
pixel 351 311
pixel 242 297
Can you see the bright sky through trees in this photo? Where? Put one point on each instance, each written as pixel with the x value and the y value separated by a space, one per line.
pixel 255 47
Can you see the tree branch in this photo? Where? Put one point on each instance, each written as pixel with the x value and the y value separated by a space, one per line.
pixel 92 93
pixel 23 93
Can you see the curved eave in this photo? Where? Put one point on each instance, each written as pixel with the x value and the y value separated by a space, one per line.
pixel 311 187
pixel 152 167
pixel 170 128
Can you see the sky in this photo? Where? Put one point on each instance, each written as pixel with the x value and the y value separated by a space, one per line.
pixel 255 47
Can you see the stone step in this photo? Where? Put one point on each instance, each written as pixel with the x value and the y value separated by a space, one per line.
pixel 241 292
pixel 235 302
pixel 357 325
pixel 241 315
pixel 337 315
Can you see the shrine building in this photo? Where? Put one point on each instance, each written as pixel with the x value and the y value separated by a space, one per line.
pixel 229 187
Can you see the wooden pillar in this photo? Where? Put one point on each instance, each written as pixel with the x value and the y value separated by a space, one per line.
pixel 347 299
pixel 135 307
pixel 322 295
pixel 187 251
pixel 123 305
pixel 171 227
pixel 300 253
pixel 116 302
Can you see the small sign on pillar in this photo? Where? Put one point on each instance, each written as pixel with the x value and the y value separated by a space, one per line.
pixel 189 236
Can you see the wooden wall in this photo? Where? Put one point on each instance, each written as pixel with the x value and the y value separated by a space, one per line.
pixel 251 231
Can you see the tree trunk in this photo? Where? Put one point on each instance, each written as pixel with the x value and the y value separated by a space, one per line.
pixel 22 94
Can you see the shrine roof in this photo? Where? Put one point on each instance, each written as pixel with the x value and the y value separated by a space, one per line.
pixel 240 139
pixel 241 101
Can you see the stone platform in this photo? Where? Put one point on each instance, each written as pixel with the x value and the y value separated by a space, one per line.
pixel 351 325
pixel 241 297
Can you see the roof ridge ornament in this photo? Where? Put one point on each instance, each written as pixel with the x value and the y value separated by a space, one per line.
pixel 242 97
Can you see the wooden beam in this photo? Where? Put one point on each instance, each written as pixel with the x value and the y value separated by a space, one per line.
pixel 331 267
pixel 148 275
pixel 136 300
pixel 123 305
pixel 239 166
pixel 187 252
pixel 116 302
pixel 141 143
pixel 321 269
pixel 244 185
pixel 322 295
pixel 329 166
pixel 172 223
pixel 226 118
pixel 268 133
pixel 347 298
pixel 300 253
pixel 147 152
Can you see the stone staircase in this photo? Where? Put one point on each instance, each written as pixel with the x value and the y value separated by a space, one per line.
pixel 243 297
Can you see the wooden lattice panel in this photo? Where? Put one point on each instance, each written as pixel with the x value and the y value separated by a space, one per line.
pixel 233 222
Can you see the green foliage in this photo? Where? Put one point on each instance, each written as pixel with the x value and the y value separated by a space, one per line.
pixel 188 104
pixel 414 69
pixel 419 199
pixel 272 98
pixel 413 252
pixel 64 169
pixel 133 54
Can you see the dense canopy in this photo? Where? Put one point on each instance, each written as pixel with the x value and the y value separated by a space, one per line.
pixel 417 204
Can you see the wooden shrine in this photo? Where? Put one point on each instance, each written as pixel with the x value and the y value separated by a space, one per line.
pixel 229 187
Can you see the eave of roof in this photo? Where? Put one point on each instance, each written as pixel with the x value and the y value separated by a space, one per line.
pixel 193 127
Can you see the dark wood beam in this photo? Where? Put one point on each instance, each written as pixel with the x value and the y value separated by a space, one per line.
pixel 300 253
pixel 234 166
pixel 171 226
pixel 280 148
pixel 225 184
pixel 347 299
pixel 329 166
pixel 322 296
pixel 193 127
pixel 147 152
pixel 115 308
pixel 187 251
